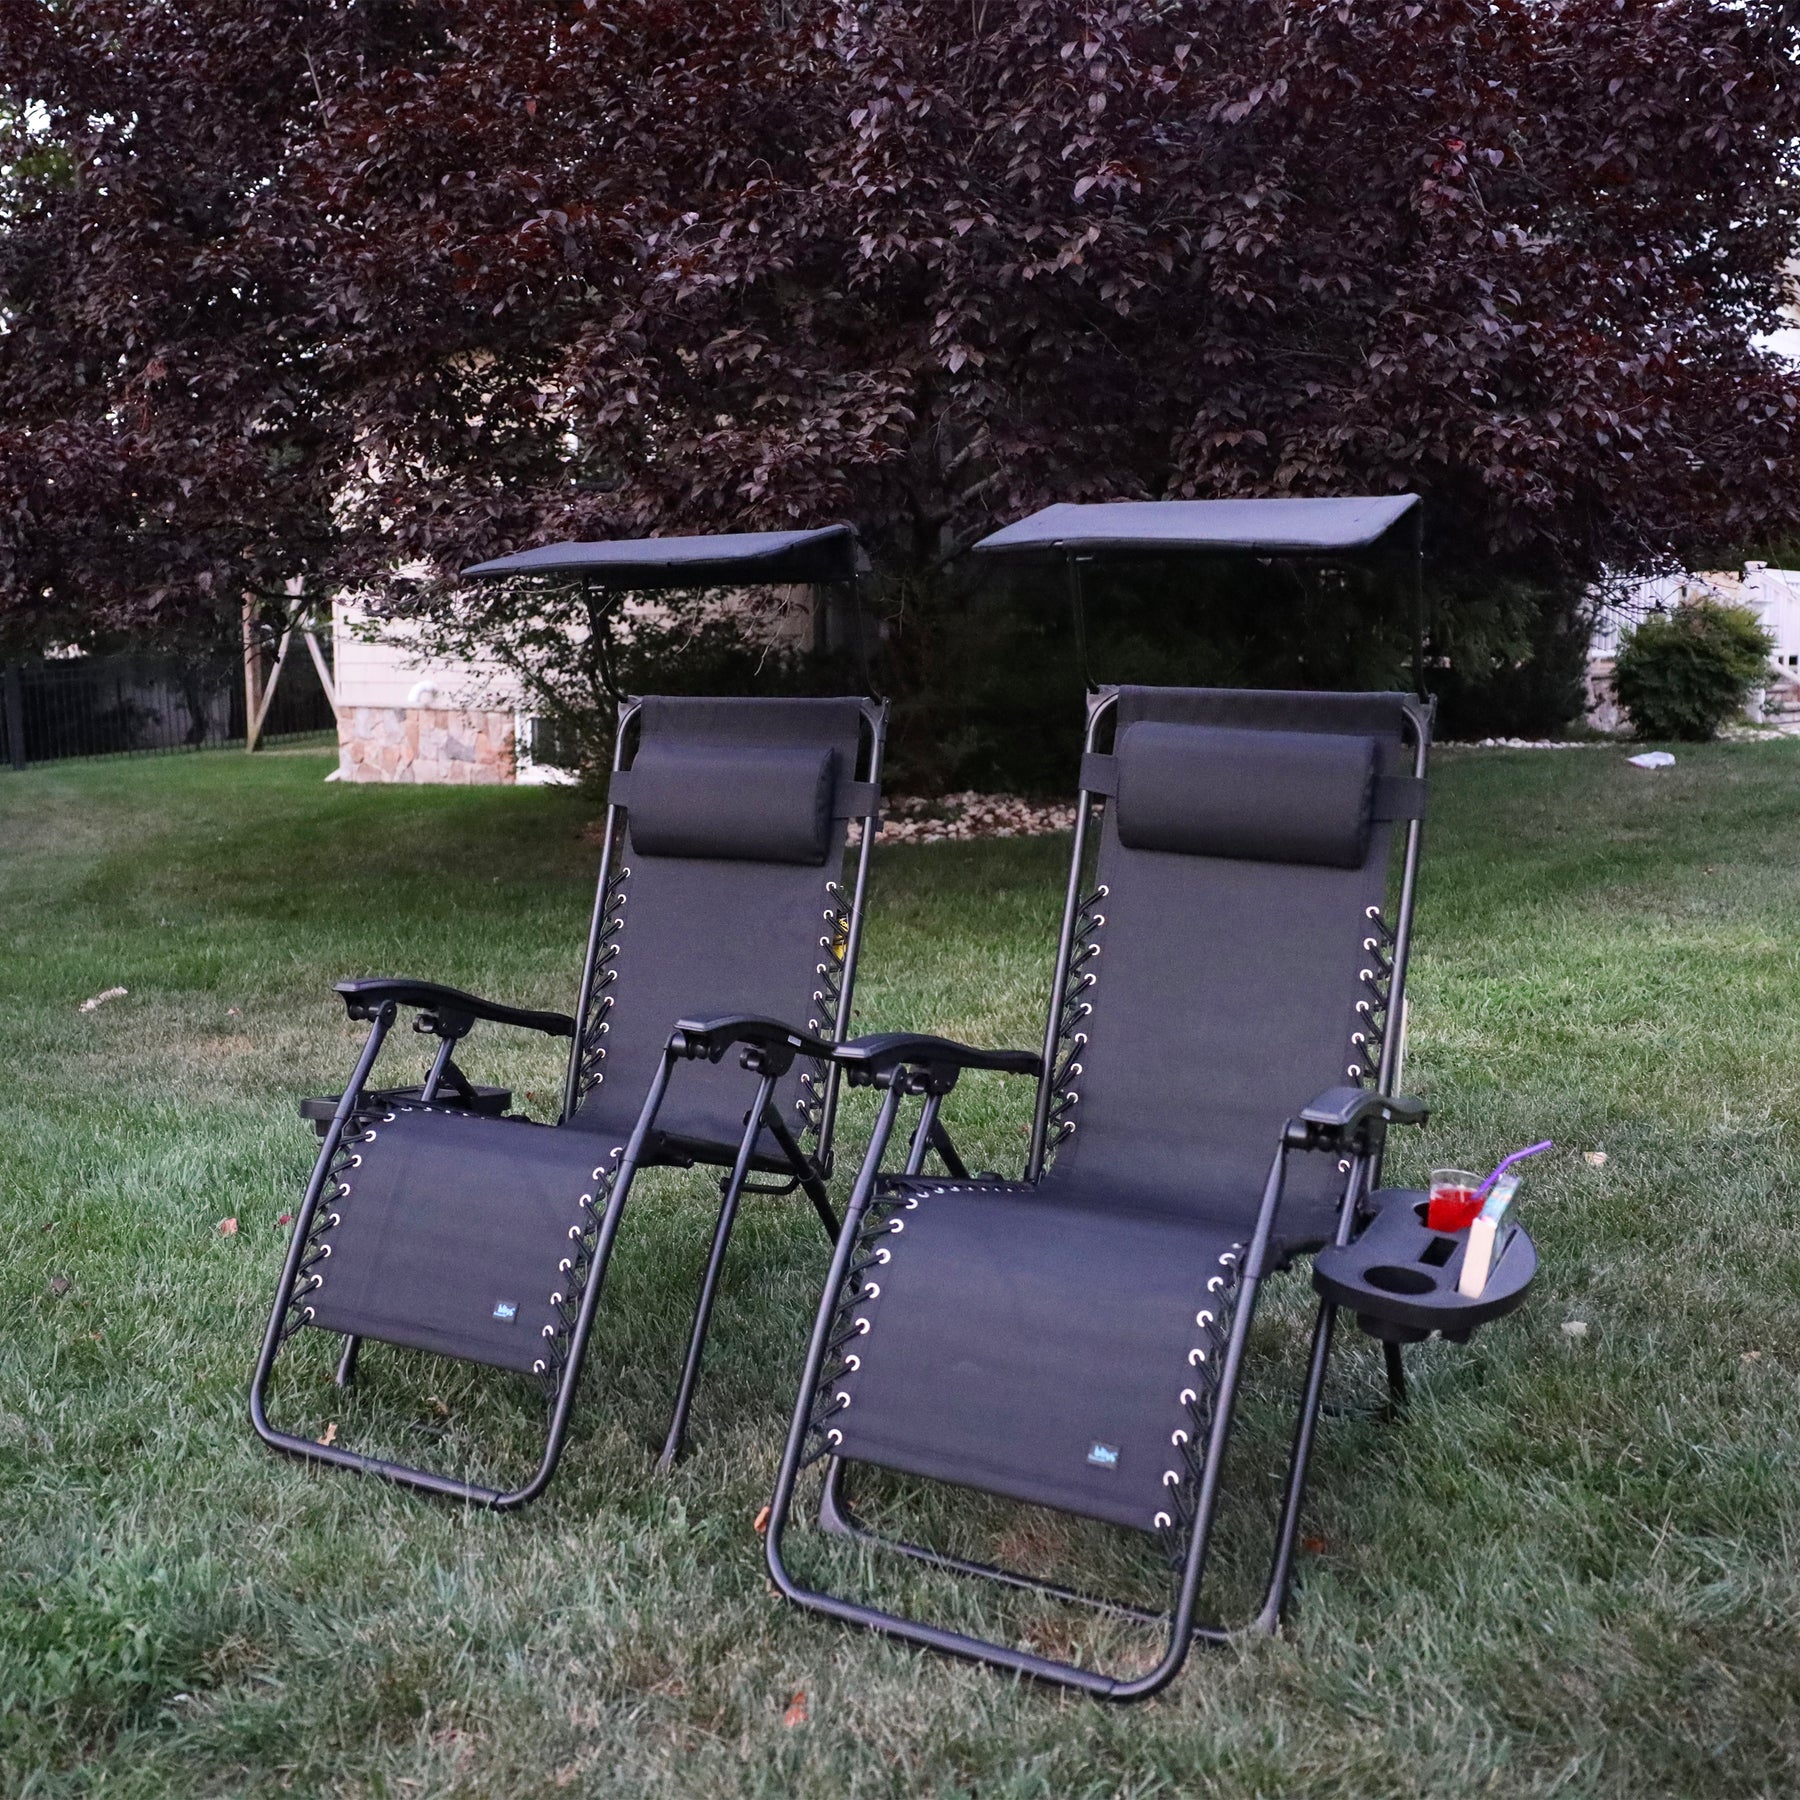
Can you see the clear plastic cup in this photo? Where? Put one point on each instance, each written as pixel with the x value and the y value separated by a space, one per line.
pixel 1453 1203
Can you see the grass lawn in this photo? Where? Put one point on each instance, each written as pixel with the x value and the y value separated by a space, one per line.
pixel 1575 1570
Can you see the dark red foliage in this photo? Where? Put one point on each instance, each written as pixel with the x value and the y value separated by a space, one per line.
pixel 311 288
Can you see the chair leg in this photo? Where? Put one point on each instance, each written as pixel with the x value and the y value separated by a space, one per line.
pixel 1287 1526
pixel 804 1172
pixel 346 1369
pixel 731 1192
pixel 1396 1379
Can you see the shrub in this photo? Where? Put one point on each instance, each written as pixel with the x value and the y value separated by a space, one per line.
pixel 1682 674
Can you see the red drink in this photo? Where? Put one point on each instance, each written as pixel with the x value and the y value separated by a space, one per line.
pixel 1455 1200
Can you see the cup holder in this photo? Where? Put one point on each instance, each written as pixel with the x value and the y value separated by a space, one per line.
pixel 1394 1278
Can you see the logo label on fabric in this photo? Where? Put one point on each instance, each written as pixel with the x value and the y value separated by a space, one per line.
pixel 1104 1456
pixel 506 1309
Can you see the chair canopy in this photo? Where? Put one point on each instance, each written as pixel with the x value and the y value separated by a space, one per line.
pixel 726 559
pixel 1115 530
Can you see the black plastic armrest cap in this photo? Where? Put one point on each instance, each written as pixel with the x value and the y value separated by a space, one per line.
pixel 891 1049
pixel 713 1037
pixel 362 997
pixel 1342 1109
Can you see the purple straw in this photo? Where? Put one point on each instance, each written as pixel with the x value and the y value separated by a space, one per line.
pixel 1517 1156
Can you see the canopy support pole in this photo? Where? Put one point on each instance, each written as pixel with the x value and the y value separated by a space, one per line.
pixel 1418 550
pixel 1078 605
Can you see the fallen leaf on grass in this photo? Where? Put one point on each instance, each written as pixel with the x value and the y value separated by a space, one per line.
pixel 762 1522
pixel 60 1285
pixel 101 998
pixel 285 1219
pixel 1595 1159
pixel 1575 1328
pixel 227 1228
pixel 1317 1546
pixel 1751 1356
pixel 437 1406
pixel 48 1225
pixel 234 1012
pixel 796 1709
pixel 330 1435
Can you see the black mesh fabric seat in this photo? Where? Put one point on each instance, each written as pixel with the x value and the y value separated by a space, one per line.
pixel 1015 1339
pixel 1218 1072
pixel 722 897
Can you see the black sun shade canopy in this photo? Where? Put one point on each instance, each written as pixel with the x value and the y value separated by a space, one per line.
pixel 729 559
pixel 1115 529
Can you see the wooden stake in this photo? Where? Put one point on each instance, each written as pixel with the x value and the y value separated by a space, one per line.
pixel 254 705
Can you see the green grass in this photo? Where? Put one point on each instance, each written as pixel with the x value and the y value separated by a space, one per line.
pixel 1575 1571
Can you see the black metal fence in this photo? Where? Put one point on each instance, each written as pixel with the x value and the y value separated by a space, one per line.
pixel 137 703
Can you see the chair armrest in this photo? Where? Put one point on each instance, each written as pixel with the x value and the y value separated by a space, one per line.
pixel 1341 1113
pixel 455 1010
pixel 711 1038
pixel 884 1050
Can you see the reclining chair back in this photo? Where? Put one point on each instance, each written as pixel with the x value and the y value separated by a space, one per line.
pixel 723 892
pixel 1233 959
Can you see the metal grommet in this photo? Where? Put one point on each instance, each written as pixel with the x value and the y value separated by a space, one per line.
pixel 862 1326
pixel 1359 1037
pixel 1215 1283
pixel 912 1201
pixel 585 1200
pixel 1203 1318
pixel 549 1331
pixel 343 1190
pixel 842 1399
pixel 356 1160
pixel 538 1367
pixel 556 1299
pixel 834 1436
pixel 1188 1397
pixel 896 1225
pixel 1343 1165
pixel 388 1118
pixel 1178 1438
pixel 1101 892
pixel 1171 1478
pixel 1365 974
pixel 884 1255
pixel 575 1234
pixel 871 1290
pixel 853 1362
pixel 1354 1071
pixel 1074 1070
pixel 1371 912
pixel 332 1220
pixel 1196 1357
pixel 306 1312
pixel 1162 1521
pixel 563 1267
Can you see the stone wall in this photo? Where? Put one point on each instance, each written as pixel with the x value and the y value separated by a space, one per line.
pixel 425 743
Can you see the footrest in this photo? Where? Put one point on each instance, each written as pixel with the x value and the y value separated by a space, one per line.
pixel 489 1102
pixel 1399 1276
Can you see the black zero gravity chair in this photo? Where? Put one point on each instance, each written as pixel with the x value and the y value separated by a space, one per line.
pixel 1217 1078
pixel 722 892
